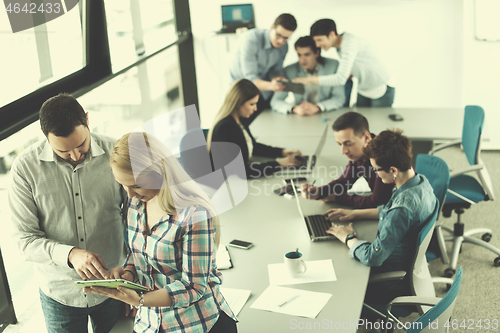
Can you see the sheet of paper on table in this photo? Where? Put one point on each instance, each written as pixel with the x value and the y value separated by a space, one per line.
pixel 235 297
pixel 317 271
pixel 290 301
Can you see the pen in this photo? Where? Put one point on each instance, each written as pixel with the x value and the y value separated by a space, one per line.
pixel 288 300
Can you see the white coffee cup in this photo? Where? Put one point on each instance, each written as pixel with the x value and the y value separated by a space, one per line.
pixel 295 264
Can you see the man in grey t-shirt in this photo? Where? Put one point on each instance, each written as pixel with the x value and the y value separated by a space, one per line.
pixel 67 213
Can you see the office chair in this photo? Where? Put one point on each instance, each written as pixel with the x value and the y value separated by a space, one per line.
pixel 420 278
pixel 196 161
pixel 436 319
pixel 437 173
pixel 465 190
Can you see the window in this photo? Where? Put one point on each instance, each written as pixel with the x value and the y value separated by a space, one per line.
pixel 38 56
pixel 138 28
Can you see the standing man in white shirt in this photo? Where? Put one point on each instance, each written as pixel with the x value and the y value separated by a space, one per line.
pixel 357 58
pixel 259 58
pixel 67 213
pixel 315 98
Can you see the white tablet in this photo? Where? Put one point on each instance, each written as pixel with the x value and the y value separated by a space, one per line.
pixel 111 284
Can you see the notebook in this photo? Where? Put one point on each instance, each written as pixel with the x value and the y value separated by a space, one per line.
pixel 236 16
pixel 316 224
pixel 308 162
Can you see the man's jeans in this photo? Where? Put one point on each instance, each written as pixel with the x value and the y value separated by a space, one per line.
pixel 385 101
pixel 61 318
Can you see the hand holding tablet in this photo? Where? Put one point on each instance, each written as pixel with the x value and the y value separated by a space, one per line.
pixel 111 284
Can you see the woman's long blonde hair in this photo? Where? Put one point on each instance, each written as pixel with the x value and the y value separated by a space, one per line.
pixel 142 155
pixel 240 92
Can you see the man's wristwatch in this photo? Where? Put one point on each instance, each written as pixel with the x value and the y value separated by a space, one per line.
pixel 349 237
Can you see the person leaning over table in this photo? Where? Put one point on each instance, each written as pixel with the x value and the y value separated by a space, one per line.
pixel 241 102
pixel 400 220
pixel 357 58
pixel 352 133
pixel 67 215
pixel 173 233
pixel 315 98
pixel 259 58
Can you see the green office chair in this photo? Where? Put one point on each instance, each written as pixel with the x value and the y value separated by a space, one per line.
pixel 465 190
pixel 437 318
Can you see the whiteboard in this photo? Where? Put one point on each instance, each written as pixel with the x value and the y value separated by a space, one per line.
pixel 487 22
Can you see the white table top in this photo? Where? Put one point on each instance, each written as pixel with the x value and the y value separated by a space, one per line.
pixel 275 227
pixel 421 124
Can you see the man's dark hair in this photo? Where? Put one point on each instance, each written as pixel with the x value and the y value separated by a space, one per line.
pixel 390 149
pixel 287 21
pixel 60 115
pixel 354 120
pixel 307 41
pixel 323 27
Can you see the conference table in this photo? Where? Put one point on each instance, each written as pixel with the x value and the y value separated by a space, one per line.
pixel 424 126
pixel 273 224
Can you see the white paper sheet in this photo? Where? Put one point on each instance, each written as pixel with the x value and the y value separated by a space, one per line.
pixel 317 271
pixel 307 304
pixel 236 298
pixel 223 258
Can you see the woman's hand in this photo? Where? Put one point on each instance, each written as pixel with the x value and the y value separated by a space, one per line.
pixel 126 295
pixel 286 152
pixel 289 160
pixel 340 231
pixel 343 214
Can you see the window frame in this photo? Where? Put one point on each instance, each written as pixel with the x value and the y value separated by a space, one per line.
pixel 98 70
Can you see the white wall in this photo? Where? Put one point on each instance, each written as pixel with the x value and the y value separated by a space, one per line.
pixel 481 81
pixel 425 43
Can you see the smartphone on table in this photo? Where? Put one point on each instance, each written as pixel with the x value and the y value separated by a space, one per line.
pixel 240 244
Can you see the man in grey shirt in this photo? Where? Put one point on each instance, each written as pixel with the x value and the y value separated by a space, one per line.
pixel 67 213
pixel 259 58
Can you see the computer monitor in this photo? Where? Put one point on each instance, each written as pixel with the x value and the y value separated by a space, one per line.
pixel 237 16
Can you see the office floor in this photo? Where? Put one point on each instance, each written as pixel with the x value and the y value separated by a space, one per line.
pixel 478 293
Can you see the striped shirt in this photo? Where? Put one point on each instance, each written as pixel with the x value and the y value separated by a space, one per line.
pixel 179 255
pixel 358 58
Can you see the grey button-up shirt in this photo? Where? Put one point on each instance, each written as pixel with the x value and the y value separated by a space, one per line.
pixel 56 207
pixel 256 58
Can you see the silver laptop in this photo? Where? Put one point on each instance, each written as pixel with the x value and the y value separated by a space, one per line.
pixel 316 224
pixel 309 162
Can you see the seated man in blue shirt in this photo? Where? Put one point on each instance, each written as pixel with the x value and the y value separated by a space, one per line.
pixel 315 98
pixel 259 58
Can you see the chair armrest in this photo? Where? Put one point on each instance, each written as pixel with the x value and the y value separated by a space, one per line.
pixel 471 168
pixel 437 279
pixel 410 300
pixel 387 276
pixel 445 145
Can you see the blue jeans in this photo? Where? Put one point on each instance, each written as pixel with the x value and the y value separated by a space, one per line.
pixel 385 101
pixel 61 318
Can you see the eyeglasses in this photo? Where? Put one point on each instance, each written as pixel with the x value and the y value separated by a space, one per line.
pixel 281 36
pixel 377 170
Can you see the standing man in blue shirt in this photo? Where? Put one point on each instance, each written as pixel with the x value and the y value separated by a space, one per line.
pixel 315 98
pixel 259 58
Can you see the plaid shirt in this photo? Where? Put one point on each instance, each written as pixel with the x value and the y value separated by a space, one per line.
pixel 178 255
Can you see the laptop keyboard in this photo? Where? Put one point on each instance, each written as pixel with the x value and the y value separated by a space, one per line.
pixel 319 225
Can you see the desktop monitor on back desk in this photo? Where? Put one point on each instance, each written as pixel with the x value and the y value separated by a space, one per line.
pixel 237 16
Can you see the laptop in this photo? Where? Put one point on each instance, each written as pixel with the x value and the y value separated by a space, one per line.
pixel 308 162
pixel 316 224
pixel 236 16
